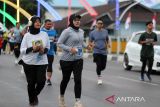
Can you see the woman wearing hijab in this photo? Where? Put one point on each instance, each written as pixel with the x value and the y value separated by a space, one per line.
pixel 72 42
pixel 34 47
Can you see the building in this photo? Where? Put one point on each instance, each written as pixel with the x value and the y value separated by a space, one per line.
pixel 140 14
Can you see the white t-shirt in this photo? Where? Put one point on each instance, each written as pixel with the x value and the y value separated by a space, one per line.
pixel 28 41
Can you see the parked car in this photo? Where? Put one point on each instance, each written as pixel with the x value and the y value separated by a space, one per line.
pixel 132 52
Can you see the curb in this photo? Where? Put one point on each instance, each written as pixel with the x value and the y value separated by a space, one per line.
pixel 110 57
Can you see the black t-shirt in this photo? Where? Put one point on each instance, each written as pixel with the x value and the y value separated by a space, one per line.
pixel 147 48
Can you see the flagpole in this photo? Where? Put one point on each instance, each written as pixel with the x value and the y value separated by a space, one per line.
pixel 117 23
pixel 154 18
pixel 69 10
pixel 128 24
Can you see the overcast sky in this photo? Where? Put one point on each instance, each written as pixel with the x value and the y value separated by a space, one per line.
pixel 146 2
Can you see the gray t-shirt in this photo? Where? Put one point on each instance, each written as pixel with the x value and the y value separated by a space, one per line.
pixel 71 38
pixel 99 38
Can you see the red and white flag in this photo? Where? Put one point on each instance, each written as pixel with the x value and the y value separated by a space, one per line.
pixel 128 21
pixel 93 24
pixel 154 18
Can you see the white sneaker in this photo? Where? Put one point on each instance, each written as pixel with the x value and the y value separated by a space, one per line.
pixel 11 53
pixel 61 102
pixel 16 62
pixel 22 71
pixel 99 81
pixel 72 76
pixel 3 52
pixel 78 104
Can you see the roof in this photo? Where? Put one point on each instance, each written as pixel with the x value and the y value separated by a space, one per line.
pixel 154 4
pixel 107 12
pixel 86 18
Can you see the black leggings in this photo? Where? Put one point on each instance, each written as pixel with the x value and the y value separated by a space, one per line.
pixel 17 49
pixel 67 68
pixel 11 46
pixel 4 45
pixel 100 61
pixel 146 61
pixel 50 62
pixel 36 77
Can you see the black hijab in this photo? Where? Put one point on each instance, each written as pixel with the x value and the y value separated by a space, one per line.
pixel 32 29
pixel 73 17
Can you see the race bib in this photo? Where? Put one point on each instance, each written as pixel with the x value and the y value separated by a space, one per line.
pixel 79 51
pixel 51 39
pixel 149 41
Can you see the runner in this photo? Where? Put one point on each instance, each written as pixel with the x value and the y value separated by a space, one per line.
pixel 34 48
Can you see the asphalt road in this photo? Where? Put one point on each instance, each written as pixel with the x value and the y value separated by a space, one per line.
pixel 125 87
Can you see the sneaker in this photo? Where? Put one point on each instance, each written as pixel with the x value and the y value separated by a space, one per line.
pixel 11 53
pixel 149 77
pixel 142 77
pixel 99 81
pixel 31 105
pixel 78 104
pixel 49 82
pixel 16 62
pixel 61 102
pixel 36 101
pixel 22 71
pixel 72 76
pixel 3 52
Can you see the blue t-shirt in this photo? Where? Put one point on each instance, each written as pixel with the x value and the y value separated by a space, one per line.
pixel 52 35
pixel 99 38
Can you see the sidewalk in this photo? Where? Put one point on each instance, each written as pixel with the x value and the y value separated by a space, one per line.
pixel 110 57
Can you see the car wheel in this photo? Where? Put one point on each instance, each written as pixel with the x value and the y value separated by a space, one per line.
pixel 126 63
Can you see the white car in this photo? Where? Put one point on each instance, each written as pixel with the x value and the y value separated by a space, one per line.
pixel 132 52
